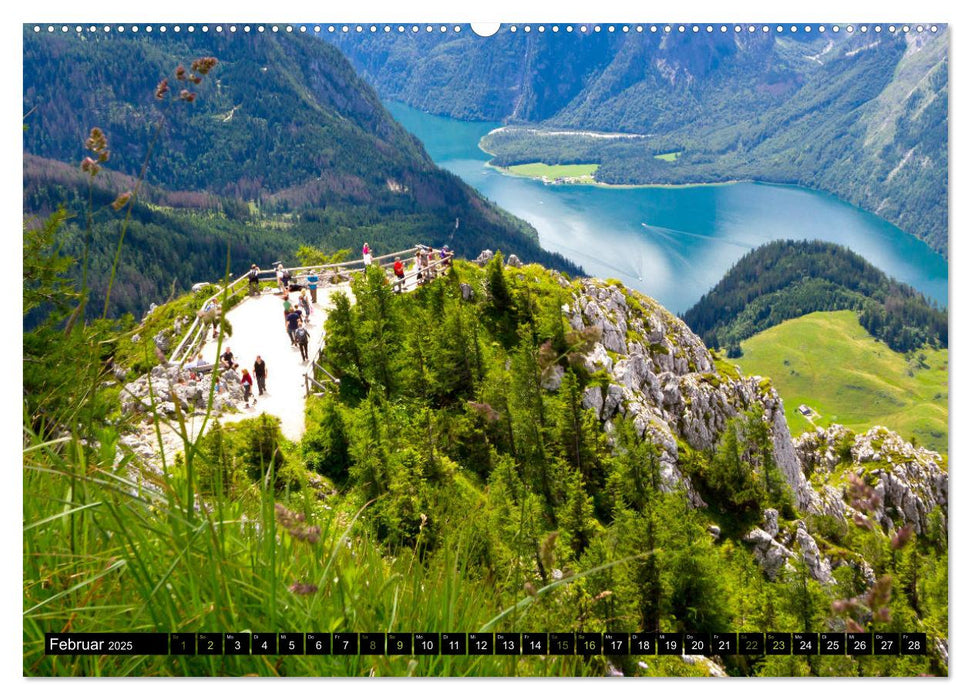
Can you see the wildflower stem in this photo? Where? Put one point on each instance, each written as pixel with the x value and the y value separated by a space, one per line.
pixel 131 204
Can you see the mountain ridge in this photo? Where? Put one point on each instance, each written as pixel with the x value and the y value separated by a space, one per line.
pixel 282 140
pixel 791 108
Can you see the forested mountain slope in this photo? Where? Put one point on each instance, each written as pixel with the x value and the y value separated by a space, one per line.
pixel 787 279
pixel 281 141
pixel 622 478
pixel 861 115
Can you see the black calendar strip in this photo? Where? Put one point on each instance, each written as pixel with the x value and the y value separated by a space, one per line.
pixel 498 643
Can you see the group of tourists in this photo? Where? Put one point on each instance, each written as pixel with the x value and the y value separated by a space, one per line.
pixel 427 266
pixel 284 281
pixel 227 361
pixel 296 319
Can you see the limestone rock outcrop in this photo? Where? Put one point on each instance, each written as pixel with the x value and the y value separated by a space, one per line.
pixel 167 385
pixel 909 481
pixel 664 378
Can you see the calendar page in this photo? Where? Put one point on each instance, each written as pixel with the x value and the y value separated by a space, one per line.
pixel 539 349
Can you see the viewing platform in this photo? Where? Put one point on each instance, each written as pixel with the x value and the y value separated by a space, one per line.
pixel 258 328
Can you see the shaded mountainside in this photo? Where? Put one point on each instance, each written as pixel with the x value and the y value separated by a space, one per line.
pixel 863 116
pixel 786 279
pixel 283 140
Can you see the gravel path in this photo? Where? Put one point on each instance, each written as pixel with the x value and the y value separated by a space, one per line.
pixel 259 329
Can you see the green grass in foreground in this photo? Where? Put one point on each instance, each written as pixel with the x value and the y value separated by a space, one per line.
pixel 669 157
pixel 585 171
pixel 829 362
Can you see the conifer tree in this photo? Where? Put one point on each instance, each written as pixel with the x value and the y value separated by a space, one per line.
pixel 500 299
pixel 380 333
pixel 575 516
pixel 343 348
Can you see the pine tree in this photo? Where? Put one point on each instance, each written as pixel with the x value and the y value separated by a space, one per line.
pixel 572 428
pixel 343 348
pixel 326 444
pixel 529 416
pixel 369 448
pixel 380 331
pixel 500 299
pixel 575 516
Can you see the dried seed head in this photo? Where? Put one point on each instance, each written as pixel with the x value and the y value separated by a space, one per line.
pixel 121 200
pixel 180 73
pixel 162 89
pixel 96 140
pixel 547 553
pixel 853 626
pixel 303 588
pixel 187 96
pixel 203 65
pixel 901 537
pixel 88 165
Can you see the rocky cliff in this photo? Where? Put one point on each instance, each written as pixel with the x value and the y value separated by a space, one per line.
pixel 653 369
pixel 661 375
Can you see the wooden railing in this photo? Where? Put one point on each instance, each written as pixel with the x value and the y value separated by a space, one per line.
pixel 195 337
pixel 325 381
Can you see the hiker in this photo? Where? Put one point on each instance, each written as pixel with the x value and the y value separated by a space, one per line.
pixel 279 278
pixel 293 318
pixel 227 359
pixel 305 305
pixel 428 272
pixel 259 369
pixel 195 369
pixel 246 381
pixel 312 281
pixel 303 338
pixel 418 268
pixel 366 254
pixel 286 280
pixel 446 256
pixel 254 279
pixel 399 273
pixel 210 314
pixel 287 306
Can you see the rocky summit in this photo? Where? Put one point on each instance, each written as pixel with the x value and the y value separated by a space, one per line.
pixel 660 374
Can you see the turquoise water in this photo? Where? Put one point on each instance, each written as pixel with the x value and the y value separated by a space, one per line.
pixel 673 243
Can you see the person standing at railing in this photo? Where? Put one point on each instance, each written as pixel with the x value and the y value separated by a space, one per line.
pixel 210 314
pixel 426 260
pixel 366 254
pixel 418 267
pixel 279 278
pixel 286 280
pixel 446 256
pixel 399 273
pixel 312 280
pixel 259 369
pixel 254 279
